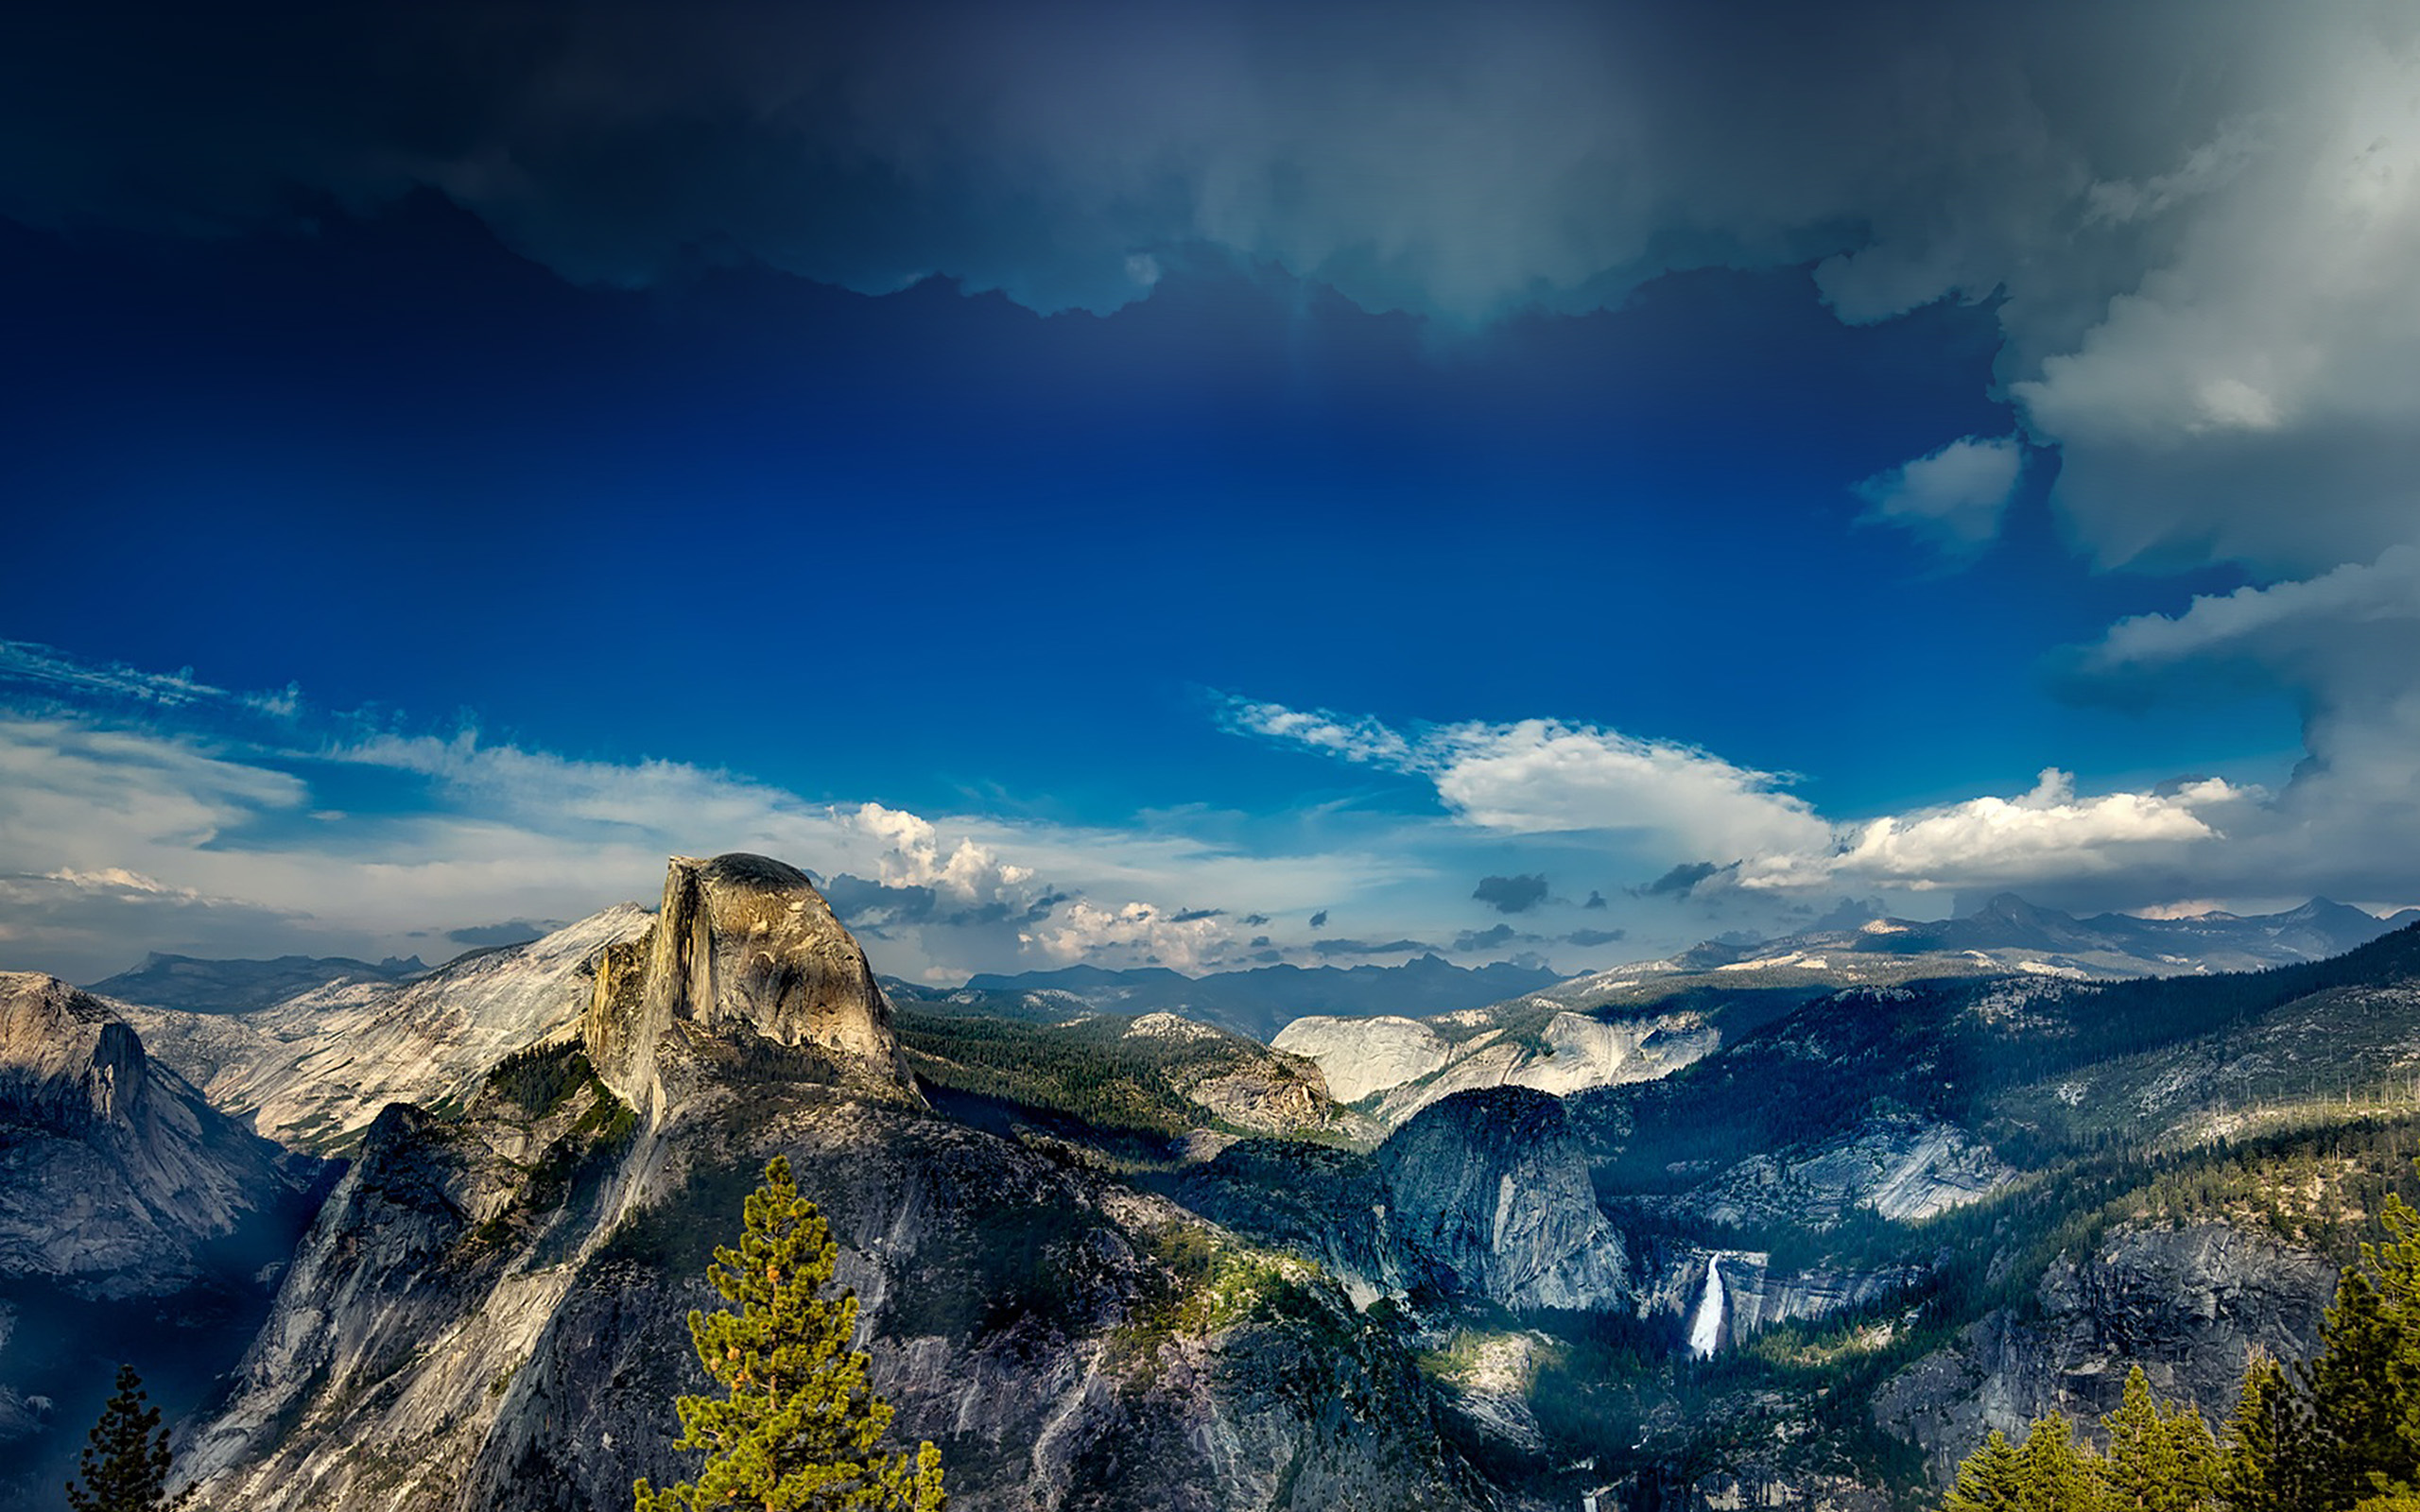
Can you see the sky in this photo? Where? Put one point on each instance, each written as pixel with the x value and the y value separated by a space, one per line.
pixel 1202 484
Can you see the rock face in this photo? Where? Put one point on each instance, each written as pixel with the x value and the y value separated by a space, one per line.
pixel 1754 1296
pixel 1485 1194
pixel 1363 1056
pixel 1903 1169
pixel 488 1312
pixel 1491 1193
pixel 117 1174
pixel 313 1071
pixel 2189 1304
pixel 1408 1064
pixel 742 943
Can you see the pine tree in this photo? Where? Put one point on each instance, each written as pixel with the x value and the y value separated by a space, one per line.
pixel 2358 1401
pixel 1991 1479
pixel 2259 1467
pixel 2052 1475
pixel 2161 1456
pixel 798 1427
pixel 124 1467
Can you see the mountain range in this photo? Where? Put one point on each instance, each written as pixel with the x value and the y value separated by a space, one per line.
pixel 1775 1225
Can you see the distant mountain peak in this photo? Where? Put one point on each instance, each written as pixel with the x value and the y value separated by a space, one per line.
pixel 2010 907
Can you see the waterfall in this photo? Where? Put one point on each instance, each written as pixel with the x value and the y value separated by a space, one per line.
pixel 1706 1330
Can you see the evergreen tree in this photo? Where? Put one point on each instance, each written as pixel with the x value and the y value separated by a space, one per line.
pixel 798 1428
pixel 124 1467
pixel 2161 1458
pixel 2258 1469
pixel 2053 1475
pixel 1991 1479
pixel 2363 1390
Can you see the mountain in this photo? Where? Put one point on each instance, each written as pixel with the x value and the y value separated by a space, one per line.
pixel 2009 934
pixel 197 986
pixel 1156 1086
pixel 1900 1197
pixel 136 1223
pixel 121 1175
pixel 1256 1002
pixel 489 1311
pixel 312 1070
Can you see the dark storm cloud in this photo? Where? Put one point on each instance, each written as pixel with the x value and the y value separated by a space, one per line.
pixel 1191 913
pixel 1585 937
pixel 1849 913
pixel 1679 882
pixel 516 932
pixel 875 906
pixel 1254 920
pixel 1364 947
pixel 1494 938
pixel 1512 895
pixel 1456 161
pixel 1440 158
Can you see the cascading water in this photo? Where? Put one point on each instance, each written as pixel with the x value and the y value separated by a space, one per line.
pixel 1706 1330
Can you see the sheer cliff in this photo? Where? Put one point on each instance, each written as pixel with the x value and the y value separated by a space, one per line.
pixel 488 1312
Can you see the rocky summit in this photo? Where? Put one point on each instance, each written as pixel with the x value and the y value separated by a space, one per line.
pixel 1783 1242
pixel 489 1311
pixel 118 1174
pixel 743 945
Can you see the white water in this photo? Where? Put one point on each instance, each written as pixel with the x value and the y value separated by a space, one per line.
pixel 1706 1330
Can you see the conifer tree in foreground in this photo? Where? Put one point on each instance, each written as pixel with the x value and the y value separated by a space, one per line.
pixel 124 1467
pixel 798 1428
pixel 2340 1433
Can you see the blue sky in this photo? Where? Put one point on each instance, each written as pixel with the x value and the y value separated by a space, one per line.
pixel 1118 483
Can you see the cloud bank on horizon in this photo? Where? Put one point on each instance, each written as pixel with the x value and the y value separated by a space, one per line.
pixel 2194 225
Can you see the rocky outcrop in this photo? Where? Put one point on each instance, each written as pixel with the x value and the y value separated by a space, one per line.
pixel 115 1175
pixel 1755 1296
pixel 1486 1194
pixel 1407 1064
pixel 2189 1304
pixel 490 1311
pixel 1902 1169
pixel 741 944
pixel 316 1068
pixel 1489 1193
pixel 1363 1056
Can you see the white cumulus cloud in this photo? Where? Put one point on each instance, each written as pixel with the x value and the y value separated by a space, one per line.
pixel 1541 776
pixel 1954 496
pixel 2049 835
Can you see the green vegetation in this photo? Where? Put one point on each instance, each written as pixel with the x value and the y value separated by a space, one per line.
pixel 125 1468
pixel 1099 1078
pixel 797 1428
pixel 1208 1283
pixel 2161 1458
pixel 1090 1070
pixel 2338 1434
pixel 537 1080
pixel 546 1082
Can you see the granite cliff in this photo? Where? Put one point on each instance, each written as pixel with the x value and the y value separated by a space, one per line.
pixel 120 1175
pixel 488 1312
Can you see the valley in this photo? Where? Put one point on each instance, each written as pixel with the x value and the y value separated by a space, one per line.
pixel 1789 1225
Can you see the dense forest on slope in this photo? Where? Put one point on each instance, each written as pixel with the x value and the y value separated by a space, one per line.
pixel 1155 1078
